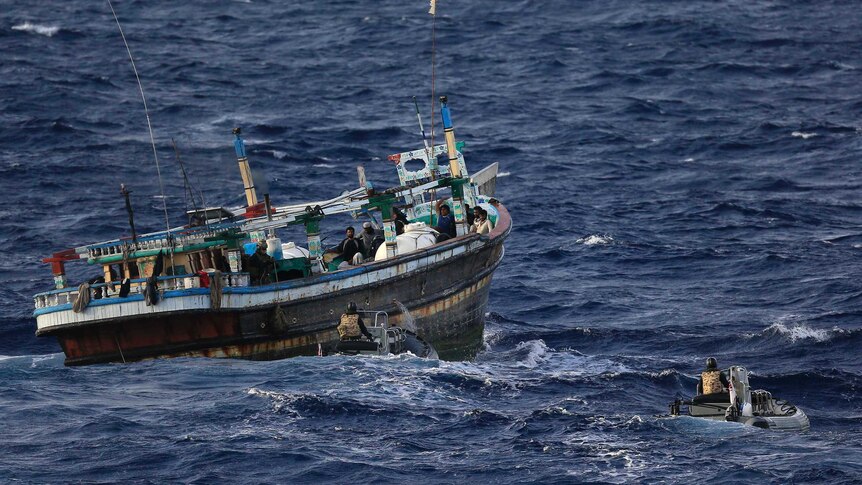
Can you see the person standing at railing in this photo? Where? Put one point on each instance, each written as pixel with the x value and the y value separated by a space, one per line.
pixel 260 265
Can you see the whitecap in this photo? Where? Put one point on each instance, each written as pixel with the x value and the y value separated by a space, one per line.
pixel 801 332
pixel 280 401
pixel 504 174
pixel 491 335
pixel 324 165
pixel 666 372
pixel 595 239
pixel 537 352
pixel 46 30
pixel 803 135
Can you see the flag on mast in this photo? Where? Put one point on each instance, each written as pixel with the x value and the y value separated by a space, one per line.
pixel 433 10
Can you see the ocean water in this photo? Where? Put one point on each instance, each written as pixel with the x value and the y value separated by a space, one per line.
pixel 684 181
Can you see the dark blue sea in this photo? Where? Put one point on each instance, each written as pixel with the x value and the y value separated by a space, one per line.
pixel 684 179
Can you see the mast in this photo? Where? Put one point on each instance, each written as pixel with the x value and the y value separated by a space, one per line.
pixel 244 170
pixel 458 179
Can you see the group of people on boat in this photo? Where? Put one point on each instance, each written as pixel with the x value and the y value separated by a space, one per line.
pixel 357 249
pixel 353 250
pixel 477 219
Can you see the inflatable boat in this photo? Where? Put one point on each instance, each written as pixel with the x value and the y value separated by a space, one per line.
pixel 742 405
pixel 387 340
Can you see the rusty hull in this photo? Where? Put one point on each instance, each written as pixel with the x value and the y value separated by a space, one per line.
pixel 447 302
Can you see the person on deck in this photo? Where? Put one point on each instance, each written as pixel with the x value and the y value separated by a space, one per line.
pixel 350 326
pixel 712 380
pixel 445 220
pixel 349 247
pixel 481 224
pixel 470 213
pixel 260 264
pixel 367 237
pixel 400 220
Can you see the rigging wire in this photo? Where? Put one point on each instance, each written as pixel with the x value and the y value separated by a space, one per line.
pixel 433 13
pixel 189 193
pixel 149 127
pixel 433 66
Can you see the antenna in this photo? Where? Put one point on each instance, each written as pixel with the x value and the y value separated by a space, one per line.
pixel 187 185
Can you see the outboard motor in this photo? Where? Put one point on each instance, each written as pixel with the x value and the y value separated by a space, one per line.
pixel 740 394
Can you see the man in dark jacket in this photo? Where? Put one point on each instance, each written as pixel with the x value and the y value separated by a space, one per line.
pixel 348 247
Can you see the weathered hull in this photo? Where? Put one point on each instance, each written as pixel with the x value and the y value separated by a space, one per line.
pixel 445 288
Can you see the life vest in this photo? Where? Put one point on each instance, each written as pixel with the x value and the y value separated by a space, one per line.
pixel 348 326
pixel 711 381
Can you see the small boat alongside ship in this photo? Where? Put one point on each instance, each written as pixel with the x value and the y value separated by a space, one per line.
pixel 387 340
pixel 742 405
pixel 191 291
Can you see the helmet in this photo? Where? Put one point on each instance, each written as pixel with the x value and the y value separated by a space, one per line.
pixel 351 308
pixel 711 363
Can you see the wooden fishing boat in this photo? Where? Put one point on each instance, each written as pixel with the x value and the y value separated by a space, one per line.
pixel 193 290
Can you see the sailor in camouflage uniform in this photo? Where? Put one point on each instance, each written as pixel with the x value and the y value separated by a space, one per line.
pixel 350 326
pixel 712 380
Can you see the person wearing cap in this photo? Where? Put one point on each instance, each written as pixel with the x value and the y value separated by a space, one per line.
pixel 367 237
pixel 260 264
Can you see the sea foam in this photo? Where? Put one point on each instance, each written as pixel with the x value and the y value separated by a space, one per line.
pixel 803 135
pixel 46 30
pixel 801 332
pixel 595 239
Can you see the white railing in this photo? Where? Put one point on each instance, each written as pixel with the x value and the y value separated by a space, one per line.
pixel 111 291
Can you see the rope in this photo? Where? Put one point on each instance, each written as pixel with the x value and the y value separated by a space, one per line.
pixel 120 349
pixel 83 298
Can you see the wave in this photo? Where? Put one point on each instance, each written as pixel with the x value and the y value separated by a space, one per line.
pixel 803 135
pixel 595 239
pixel 46 30
pixel 31 361
pixel 800 332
